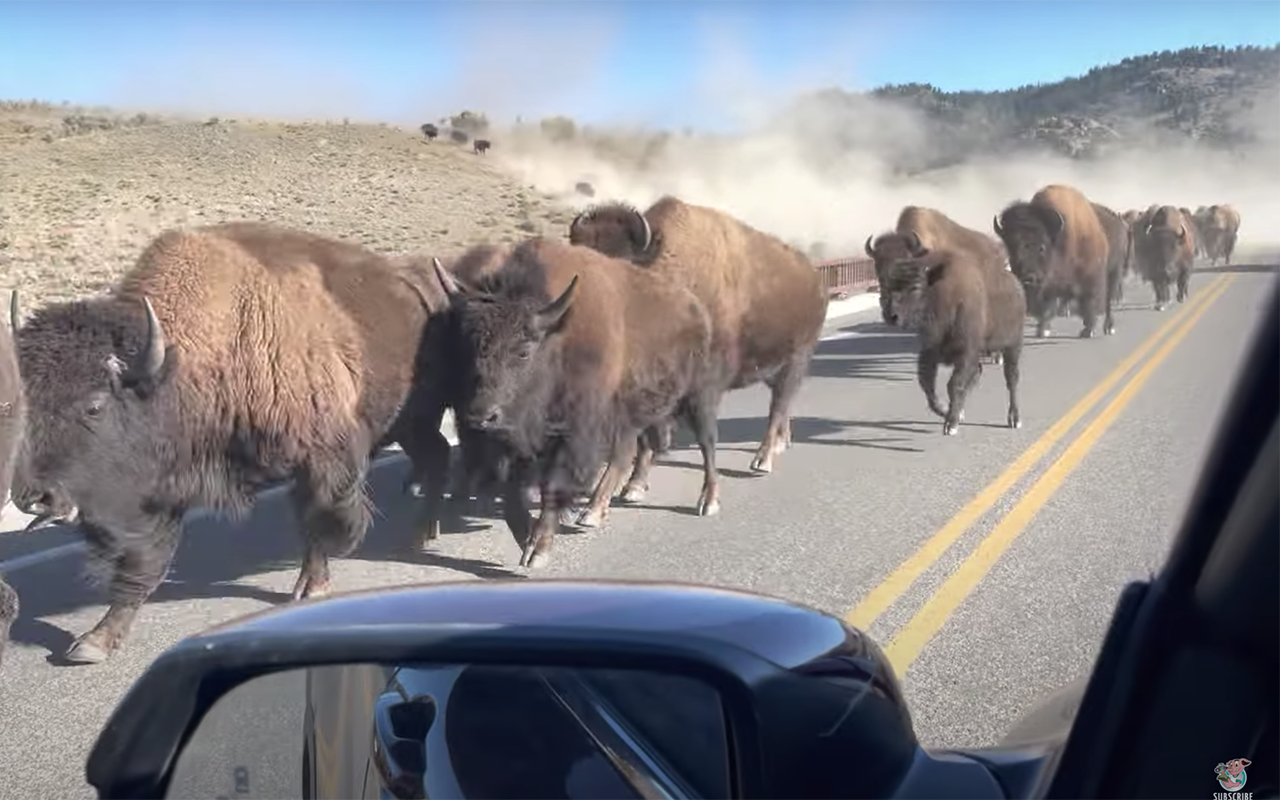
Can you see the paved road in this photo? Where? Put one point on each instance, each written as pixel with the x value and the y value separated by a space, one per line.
pixel 870 481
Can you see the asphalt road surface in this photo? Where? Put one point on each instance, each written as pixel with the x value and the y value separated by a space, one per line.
pixel 984 614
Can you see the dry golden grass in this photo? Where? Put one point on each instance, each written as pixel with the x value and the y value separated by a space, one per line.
pixel 80 199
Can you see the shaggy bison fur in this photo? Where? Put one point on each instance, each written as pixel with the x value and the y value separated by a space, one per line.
pixel 767 302
pixel 560 356
pixel 1119 249
pixel 962 307
pixel 229 357
pixel 1221 228
pixel 13 416
pixel 1165 251
pixel 1058 249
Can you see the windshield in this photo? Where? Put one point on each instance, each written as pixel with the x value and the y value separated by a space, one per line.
pixel 919 314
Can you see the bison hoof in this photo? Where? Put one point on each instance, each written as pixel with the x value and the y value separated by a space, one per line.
pixel 591 519
pixel 950 428
pixel 708 507
pixel 86 651
pixel 1110 330
pixel 1086 333
pixel 1014 420
pixel 762 465
pixel 634 493
pixel 532 559
pixel 310 589
pixel 1159 306
pixel 569 516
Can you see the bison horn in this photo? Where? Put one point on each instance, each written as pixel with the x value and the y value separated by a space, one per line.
pixel 14 316
pixel 648 233
pixel 551 314
pixel 1182 232
pixel 995 225
pixel 870 251
pixel 573 226
pixel 447 282
pixel 913 244
pixel 153 353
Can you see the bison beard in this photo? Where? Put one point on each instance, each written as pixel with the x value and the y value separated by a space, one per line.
pixel 963 309
pixel 260 373
pixel 564 382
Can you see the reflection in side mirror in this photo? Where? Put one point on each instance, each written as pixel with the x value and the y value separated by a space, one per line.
pixel 421 730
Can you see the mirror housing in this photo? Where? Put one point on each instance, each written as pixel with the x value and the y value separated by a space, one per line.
pixel 802 692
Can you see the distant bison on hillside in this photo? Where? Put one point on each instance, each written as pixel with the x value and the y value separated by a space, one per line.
pixel 228 358
pixel 481 145
pixel 430 131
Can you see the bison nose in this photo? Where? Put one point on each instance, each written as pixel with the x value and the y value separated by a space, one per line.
pixel 486 417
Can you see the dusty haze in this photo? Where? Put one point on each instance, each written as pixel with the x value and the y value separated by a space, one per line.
pixel 787 174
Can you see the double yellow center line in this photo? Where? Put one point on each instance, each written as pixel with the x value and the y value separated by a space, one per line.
pixel 903 649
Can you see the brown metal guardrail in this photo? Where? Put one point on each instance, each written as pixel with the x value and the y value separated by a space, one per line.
pixel 846 276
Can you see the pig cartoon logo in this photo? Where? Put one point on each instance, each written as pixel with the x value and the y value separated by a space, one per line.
pixel 1231 775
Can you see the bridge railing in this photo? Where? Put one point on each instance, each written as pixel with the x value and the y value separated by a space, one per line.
pixel 846 276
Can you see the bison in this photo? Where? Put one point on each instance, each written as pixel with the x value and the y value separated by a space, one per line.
pixel 13 417
pixel 962 306
pixel 1221 229
pixel 1119 249
pixel 481 145
pixel 229 357
pixel 767 302
pixel 430 131
pixel 560 356
pixel 1058 249
pixel 1165 251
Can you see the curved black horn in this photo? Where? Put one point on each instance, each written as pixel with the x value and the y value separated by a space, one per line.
pixel 14 316
pixel 995 225
pixel 648 234
pixel 870 251
pixel 447 281
pixel 551 313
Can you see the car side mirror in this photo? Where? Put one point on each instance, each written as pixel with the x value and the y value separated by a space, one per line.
pixel 554 688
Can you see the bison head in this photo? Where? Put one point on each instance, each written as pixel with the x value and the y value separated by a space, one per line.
pixel 1030 233
pixel 615 229
pixel 902 294
pixel 99 436
pixel 502 344
pixel 1164 243
pixel 885 251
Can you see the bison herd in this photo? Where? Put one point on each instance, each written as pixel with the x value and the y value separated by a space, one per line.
pixel 243 354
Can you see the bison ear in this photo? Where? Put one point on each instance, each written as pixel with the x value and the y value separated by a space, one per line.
pixel 550 315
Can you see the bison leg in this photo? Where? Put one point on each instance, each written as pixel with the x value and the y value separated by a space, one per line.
pixel 700 411
pixel 138 568
pixel 8 613
pixel 1229 247
pixel 431 456
pixel 1184 278
pixel 622 456
pixel 334 516
pixel 537 546
pixel 784 385
pixel 648 444
pixel 1012 373
pixel 927 375
pixel 963 378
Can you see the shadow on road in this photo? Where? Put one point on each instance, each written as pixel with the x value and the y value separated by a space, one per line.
pixel 1240 268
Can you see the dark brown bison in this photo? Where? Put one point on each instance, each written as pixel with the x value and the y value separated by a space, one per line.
pixel 767 302
pixel 1221 226
pixel 430 131
pixel 1164 249
pixel 560 356
pixel 229 357
pixel 1119 250
pixel 1058 249
pixel 962 306
pixel 481 145
pixel 13 417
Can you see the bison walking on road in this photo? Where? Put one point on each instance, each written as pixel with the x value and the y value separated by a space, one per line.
pixel 1119 250
pixel 1165 252
pixel 229 357
pixel 1221 228
pixel 962 307
pixel 561 357
pixel 767 302
pixel 1058 249
pixel 13 417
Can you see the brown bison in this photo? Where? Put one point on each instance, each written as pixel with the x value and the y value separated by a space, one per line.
pixel 559 355
pixel 1119 249
pixel 1221 228
pixel 963 306
pixel 1165 251
pixel 229 357
pixel 430 131
pixel 767 302
pixel 13 417
pixel 1058 249
pixel 481 145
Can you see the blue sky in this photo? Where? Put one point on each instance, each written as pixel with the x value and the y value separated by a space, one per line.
pixel 657 61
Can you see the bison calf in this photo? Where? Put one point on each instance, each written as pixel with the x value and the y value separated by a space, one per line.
pixel 230 357
pixel 561 358
pixel 960 308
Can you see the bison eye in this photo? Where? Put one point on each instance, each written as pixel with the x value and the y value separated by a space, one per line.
pixel 525 352
pixel 95 407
